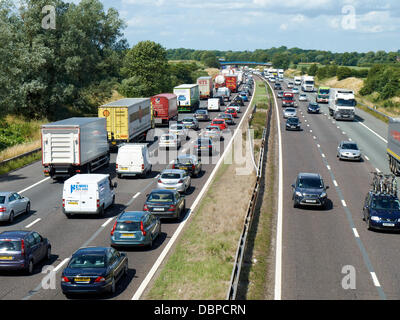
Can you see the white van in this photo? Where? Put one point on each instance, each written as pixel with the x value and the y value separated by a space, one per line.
pixel 213 104
pixel 88 193
pixel 133 159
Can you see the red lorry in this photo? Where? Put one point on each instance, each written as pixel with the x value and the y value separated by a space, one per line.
pixel 231 81
pixel 164 108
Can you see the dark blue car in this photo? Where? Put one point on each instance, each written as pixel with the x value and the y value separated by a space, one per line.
pixel 309 190
pixel 313 108
pixel 21 250
pixel 382 211
pixel 94 270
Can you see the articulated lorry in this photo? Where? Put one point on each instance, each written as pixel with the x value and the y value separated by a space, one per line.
pixel 205 87
pixel 74 145
pixel 128 119
pixel 344 105
pixel 393 145
pixel 164 108
pixel 231 82
pixel 188 97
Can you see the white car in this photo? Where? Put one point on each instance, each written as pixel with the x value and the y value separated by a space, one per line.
pixel 170 140
pixel 290 85
pixel 212 132
pixel 289 112
pixel 179 130
pixel 295 90
pixel 174 179
pixel 303 97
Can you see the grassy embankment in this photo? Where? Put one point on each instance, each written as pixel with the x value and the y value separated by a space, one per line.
pixel 200 264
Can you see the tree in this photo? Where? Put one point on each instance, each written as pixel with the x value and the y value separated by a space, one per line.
pixel 312 70
pixel 281 61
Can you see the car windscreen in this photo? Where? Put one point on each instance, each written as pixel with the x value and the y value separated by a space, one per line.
pixel 385 203
pixel 213 128
pixel 176 127
pixel 87 261
pixel 170 175
pixel 288 98
pixel 187 120
pixel 349 146
pixel 310 183
pixel 186 161
pixel 160 197
pixel 293 120
pixel 2 199
pixel 167 138
pixel 201 112
pixel 290 110
pixel 218 122
pixel 324 91
pixel 10 245
pixel 203 142
pixel 127 226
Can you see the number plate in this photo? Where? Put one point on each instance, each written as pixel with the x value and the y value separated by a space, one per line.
pixel 182 168
pixel 127 235
pixel 158 209
pixel 388 224
pixel 6 258
pixel 311 201
pixel 123 168
pixel 82 279
pixel 72 202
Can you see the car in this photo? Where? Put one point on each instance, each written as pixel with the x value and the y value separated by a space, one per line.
pixel 204 145
pixel 94 270
pixel 227 117
pixel 235 106
pixel 190 123
pixel 188 162
pixel 272 79
pixel 22 249
pixel 169 204
pixel 179 130
pixel 381 211
pixel 293 123
pixel 279 94
pixel 135 228
pixel 277 86
pixel 237 101
pixel 244 96
pixel 309 190
pixel 290 85
pixel 289 112
pixel 295 90
pixel 13 204
pixel 202 115
pixel 169 140
pixel 219 123
pixel 174 179
pixel 313 107
pixel 303 97
pixel 212 132
pixel 348 150
pixel 232 111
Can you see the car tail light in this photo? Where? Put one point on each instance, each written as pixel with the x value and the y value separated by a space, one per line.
pixel 196 145
pixel 142 228
pixel 113 228
pixel 22 247
pixel 100 279
pixel 145 208
pixel 116 166
pixel 180 181
pixel 172 207
pixel 159 181
pixel 98 203
pixel 63 203
pixel 193 167
pixel 78 170
pixel 64 279
pixel 3 209
pixel 142 166
pixel 173 166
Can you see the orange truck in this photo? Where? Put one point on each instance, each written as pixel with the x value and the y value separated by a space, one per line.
pixel 231 82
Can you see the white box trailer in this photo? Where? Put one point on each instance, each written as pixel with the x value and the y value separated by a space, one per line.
pixel 73 146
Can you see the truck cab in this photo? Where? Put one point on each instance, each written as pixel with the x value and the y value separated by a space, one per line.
pixel 343 107
pixel 288 100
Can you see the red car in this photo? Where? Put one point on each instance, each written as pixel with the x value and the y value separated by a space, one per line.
pixel 219 123
pixel 232 111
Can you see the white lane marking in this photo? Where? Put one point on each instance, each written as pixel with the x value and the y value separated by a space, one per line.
pixel 375 279
pixel 350 139
pixel 314 137
pixel 343 132
pixel 136 195
pixel 344 203
pixel 308 125
pixel 31 224
pixel 107 222
pixel 310 131
pixel 338 127
pixel 323 155
pixel 380 137
pixel 356 233
pixel 366 157
pixel 335 183
pixel 377 170
pixel 328 166
pixel 34 185
pixel 177 232
pixel 318 145
pixel 61 264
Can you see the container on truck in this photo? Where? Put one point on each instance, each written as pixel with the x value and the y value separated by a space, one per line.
pixel 88 193
pixel 73 146
pixel 165 109
pixel 219 81
pixel 393 145
pixel 133 159
pixel 213 104
pixel 128 119
pixel 307 83
pixel 343 106
pixel 188 97
pixel 323 95
pixel 205 87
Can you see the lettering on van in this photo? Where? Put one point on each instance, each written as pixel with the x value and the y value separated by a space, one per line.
pixel 138 115
pixel 79 187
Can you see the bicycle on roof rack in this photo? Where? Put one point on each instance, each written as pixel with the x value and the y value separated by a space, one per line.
pixel 384 183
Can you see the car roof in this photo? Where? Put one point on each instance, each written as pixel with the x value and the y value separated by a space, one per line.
pixel 14 234
pixel 309 175
pixel 132 215
pixel 6 193
pixel 92 250
pixel 173 171
pixel 162 191
pixel 183 156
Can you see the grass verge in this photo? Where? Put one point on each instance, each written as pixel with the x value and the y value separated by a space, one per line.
pixel 19 163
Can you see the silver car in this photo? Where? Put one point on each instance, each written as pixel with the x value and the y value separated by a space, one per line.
pixel 179 130
pixel 348 150
pixel 303 97
pixel 170 140
pixel 13 204
pixel 212 132
pixel 191 123
pixel 289 112
pixel 174 179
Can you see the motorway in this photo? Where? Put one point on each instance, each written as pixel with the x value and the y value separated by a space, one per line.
pixel 319 247
pixel 68 235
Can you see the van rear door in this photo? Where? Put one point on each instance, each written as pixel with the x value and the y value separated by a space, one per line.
pixel 130 160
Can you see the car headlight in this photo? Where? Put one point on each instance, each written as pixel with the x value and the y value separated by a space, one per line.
pixel 323 194
pixel 375 218
pixel 299 194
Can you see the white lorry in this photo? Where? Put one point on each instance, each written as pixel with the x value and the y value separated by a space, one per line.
pixel 88 193
pixel 343 106
pixel 74 145
pixel 307 83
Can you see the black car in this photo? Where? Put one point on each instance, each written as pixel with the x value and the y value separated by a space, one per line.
pixel 165 203
pixel 237 101
pixel 309 190
pixel 313 107
pixel 381 211
pixel 94 270
pixel 293 124
pixel 277 86
pixel 188 162
pixel 204 145
pixel 221 100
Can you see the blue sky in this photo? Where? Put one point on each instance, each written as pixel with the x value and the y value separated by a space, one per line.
pixel 335 25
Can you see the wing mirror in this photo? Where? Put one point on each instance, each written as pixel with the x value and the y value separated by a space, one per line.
pixel 115 184
pixel 327 187
pixel 292 186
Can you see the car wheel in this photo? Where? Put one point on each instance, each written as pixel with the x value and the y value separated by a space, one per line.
pixel 48 253
pixel 28 208
pixel 101 212
pixel 29 269
pixel 68 215
pixel 11 217
pixel 113 286
pixel 119 175
pixel 126 269
pixel 295 205
pixel 113 201
pixel 369 224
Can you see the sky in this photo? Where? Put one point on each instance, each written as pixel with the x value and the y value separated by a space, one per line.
pixel 239 25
